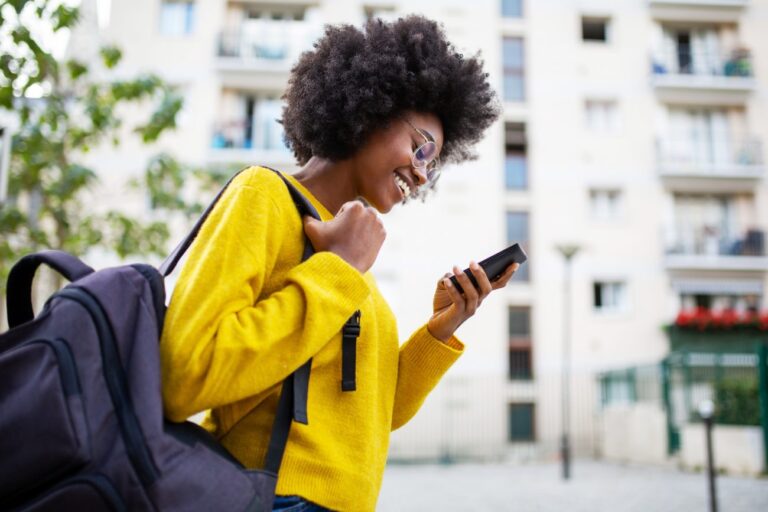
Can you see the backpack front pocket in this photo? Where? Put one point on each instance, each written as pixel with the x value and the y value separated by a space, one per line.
pixel 87 492
pixel 43 429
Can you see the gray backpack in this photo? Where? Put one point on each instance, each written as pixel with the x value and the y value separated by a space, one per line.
pixel 81 417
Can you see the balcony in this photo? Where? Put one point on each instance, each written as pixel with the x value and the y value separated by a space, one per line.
pixel 715 165
pixel 688 76
pixel 244 143
pixel 719 11
pixel 702 3
pixel 705 249
pixel 707 332
pixel 263 50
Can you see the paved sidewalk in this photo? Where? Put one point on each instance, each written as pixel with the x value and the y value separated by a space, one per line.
pixel 594 487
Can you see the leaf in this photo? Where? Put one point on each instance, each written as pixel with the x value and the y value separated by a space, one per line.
pixel 111 56
pixel 6 97
pixel 64 17
pixel 76 69
pixel 18 5
pixel 163 118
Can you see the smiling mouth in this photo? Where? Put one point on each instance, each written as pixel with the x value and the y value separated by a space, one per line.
pixel 403 186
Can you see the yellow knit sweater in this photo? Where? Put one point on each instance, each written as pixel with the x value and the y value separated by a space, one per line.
pixel 246 313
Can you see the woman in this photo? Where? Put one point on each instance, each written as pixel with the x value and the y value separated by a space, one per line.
pixel 369 114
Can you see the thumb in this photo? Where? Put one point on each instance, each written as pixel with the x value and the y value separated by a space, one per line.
pixel 311 224
pixel 310 221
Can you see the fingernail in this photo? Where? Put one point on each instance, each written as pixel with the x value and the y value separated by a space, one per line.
pixel 447 283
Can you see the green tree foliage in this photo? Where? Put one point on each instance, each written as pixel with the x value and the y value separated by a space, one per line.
pixel 63 111
pixel 738 402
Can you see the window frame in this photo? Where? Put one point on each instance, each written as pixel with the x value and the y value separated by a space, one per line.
pixel 190 17
pixel 606 22
pixel 533 432
pixel 517 72
pixel 525 275
pixel 520 343
pixel 520 12
pixel 621 306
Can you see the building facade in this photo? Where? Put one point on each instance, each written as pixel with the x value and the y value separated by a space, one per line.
pixel 633 129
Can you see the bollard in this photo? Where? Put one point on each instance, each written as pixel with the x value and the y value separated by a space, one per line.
pixel 706 411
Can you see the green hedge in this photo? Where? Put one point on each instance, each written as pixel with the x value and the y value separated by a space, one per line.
pixel 737 402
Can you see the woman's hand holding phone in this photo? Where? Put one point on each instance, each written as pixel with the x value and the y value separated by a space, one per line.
pixel 451 308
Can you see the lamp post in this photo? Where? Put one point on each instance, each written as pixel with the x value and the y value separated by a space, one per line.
pixel 568 251
pixel 706 411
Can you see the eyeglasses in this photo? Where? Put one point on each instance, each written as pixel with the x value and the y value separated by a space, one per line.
pixel 426 160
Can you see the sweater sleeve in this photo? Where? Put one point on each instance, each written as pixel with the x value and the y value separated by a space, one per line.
pixel 423 361
pixel 223 342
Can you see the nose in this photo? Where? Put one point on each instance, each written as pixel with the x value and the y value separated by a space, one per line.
pixel 420 175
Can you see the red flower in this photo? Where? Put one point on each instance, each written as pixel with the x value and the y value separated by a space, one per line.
pixel 702 318
pixel 729 318
pixel 762 321
pixel 684 319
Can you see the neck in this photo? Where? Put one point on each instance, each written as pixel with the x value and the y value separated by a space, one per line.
pixel 330 182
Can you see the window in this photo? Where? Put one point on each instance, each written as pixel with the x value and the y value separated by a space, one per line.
pixel 601 116
pixel 515 161
pixel 519 327
pixel 253 125
pixel 521 422
pixel 176 17
pixel 610 296
pixel 715 225
pixel 512 8
pixel 517 232
pixel 605 204
pixel 594 29
pixel 512 55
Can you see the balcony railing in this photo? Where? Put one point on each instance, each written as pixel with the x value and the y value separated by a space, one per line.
pixel 706 241
pixel 267 41
pixel 248 136
pixel 736 63
pixel 721 156
pixel 702 3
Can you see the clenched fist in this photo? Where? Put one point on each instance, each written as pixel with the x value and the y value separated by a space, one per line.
pixel 356 234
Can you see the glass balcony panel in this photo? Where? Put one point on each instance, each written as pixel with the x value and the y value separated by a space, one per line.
pixel 683 60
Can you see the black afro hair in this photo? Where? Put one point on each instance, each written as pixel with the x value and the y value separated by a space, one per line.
pixel 356 81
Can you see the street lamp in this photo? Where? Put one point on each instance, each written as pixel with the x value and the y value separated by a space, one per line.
pixel 568 251
pixel 707 411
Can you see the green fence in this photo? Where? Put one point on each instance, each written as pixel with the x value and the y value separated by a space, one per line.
pixel 736 382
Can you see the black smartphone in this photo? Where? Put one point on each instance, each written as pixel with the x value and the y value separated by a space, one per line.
pixel 494 266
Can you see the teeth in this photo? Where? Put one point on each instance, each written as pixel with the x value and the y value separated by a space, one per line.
pixel 403 186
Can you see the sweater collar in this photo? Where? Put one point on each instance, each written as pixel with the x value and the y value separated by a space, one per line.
pixel 325 215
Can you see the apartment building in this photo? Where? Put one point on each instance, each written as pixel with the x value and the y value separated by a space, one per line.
pixel 632 129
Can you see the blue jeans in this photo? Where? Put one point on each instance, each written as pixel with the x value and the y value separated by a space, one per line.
pixel 296 504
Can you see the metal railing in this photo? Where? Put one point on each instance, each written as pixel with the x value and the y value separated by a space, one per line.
pixel 245 135
pixel 707 241
pixel 717 155
pixel 267 40
pixel 736 382
pixel 685 61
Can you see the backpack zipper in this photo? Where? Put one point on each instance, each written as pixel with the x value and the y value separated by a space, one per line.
pixel 116 384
